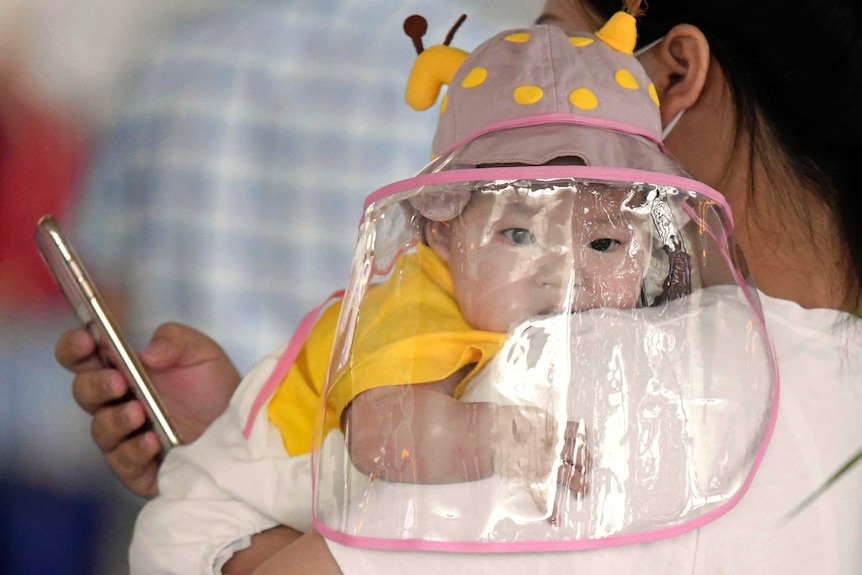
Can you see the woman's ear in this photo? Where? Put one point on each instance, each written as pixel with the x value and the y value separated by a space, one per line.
pixel 678 66
pixel 438 236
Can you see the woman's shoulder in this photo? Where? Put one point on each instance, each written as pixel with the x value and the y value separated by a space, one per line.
pixel 816 335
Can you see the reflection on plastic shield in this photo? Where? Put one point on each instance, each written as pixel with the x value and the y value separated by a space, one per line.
pixel 542 359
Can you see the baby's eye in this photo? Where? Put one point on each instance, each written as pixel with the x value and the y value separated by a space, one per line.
pixel 519 236
pixel 603 244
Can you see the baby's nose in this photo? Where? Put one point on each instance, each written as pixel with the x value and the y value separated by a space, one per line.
pixel 558 268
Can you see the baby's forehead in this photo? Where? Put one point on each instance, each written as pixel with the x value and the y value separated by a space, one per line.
pixel 594 200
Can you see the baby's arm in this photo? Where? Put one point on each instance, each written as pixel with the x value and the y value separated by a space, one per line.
pixel 421 434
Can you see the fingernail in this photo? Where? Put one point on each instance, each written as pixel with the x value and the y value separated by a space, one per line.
pixel 113 386
pixel 148 442
pixel 155 349
pixel 129 414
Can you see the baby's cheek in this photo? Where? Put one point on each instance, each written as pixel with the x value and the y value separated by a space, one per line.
pixel 631 290
pixel 487 309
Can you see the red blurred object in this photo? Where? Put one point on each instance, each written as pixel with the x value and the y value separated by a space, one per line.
pixel 41 158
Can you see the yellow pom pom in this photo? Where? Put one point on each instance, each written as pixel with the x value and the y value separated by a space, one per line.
pixel 620 33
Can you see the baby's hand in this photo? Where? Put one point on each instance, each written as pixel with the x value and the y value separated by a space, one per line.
pixel 524 439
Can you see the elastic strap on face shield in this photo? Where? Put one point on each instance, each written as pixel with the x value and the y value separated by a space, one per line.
pixel 286 361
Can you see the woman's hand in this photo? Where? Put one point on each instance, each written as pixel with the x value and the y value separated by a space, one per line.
pixel 524 440
pixel 572 473
pixel 192 375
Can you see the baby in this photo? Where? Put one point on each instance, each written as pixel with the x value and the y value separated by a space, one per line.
pixel 507 257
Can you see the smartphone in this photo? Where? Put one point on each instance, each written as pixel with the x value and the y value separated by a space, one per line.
pixel 89 307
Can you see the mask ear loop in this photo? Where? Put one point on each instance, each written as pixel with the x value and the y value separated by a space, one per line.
pixel 672 124
pixel 643 49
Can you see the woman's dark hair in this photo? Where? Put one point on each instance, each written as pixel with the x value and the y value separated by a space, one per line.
pixel 797 69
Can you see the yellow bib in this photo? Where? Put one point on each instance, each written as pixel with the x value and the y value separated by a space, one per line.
pixel 409 330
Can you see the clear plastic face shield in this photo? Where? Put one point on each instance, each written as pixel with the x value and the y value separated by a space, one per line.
pixel 537 358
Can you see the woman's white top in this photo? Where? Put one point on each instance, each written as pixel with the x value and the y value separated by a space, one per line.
pixel 217 492
pixel 819 427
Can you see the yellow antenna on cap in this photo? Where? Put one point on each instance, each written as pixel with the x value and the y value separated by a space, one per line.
pixel 433 67
pixel 620 32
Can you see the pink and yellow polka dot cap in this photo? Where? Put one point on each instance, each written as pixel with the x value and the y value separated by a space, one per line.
pixel 541 74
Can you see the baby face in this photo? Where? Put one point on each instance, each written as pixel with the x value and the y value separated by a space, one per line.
pixel 514 256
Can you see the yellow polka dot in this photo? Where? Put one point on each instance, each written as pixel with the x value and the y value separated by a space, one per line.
pixel 528 94
pixel 625 79
pixel 580 42
pixel 444 102
pixel 519 37
pixel 583 98
pixel 652 93
pixel 475 77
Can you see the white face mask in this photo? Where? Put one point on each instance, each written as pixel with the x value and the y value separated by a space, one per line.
pixel 670 125
pixel 643 49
